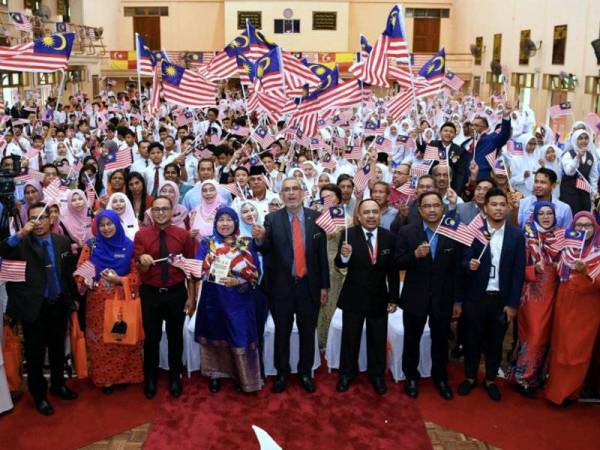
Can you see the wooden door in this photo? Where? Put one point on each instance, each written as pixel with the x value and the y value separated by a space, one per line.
pixel 426 35
pixel 148 27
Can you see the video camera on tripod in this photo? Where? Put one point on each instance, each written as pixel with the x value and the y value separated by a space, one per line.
pixel 7 196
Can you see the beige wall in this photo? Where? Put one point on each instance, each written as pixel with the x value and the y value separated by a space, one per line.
pixel 540 16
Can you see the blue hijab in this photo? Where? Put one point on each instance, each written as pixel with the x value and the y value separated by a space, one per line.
pixel 231 213
pixel 113 253
pixel 536 209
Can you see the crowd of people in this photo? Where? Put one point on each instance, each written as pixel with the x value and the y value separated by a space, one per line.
pixel 296 227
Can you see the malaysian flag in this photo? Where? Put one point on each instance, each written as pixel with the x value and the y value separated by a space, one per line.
pixel 453 81
pixel 296 73
pixel 361 178
pixel 391 44
pixel 478 228
pixel 381 144
pixel 190 266
pixel 145 58
pixel 574 238
pixel 592 262
pixel 118 159
pixel 353 151
pixel 420 168
pixel 20 21
pixel 583 184
pixel 409 189
pixel 12 270
pixel 331 218
pixel 316 143
pixel 186 87
pixel 496 164
pixel 269 72
pixel 262 137
pixel 370 128
pixel 52 192
pixel 434 72
pixel 515 148
pixel 561 110
pixel 47 54
pixel 454 229
pixel 240 130
pixel 90 192
pixel 365 48
pixel 431 153
pixel 87 271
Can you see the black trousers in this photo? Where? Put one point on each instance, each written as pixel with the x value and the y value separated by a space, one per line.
pixel 47 331
pixel 307 313
pixel 485 324
pixel 158 305
pixel 413 331
pixel 352 326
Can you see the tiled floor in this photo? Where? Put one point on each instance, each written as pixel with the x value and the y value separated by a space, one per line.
pixel 441 439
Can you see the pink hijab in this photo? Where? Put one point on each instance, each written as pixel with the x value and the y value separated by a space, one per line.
pixel 205 212
pixel 180 212
pixel 77 222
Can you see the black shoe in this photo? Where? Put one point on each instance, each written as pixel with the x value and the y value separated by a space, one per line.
pixel 175 387
pixel 150 388
pixel 44 407
pixel 457 352
pixel 237 386
pixel 379 385
pixel 493 391
pixel 466 387
pixel 343 384
pixel 107 390
pixel 215 385
pixel 280 384
pixel 525 391
pixel 444 390
pixel 411 388
pixel 308 384
pixel 64 392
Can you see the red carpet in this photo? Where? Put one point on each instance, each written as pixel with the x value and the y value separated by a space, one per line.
pixel 515 423
pixel 90 418
pixel 358 419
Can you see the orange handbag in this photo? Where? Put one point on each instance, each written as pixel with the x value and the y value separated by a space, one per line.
pixel 78 349
pixel 123 318
pixel 11 352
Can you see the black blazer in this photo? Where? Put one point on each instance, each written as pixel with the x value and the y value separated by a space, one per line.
pixel 431 286
pixel 459 162
pixel 278 245
pixel 368 288
pixel 512 268
pixel 25 299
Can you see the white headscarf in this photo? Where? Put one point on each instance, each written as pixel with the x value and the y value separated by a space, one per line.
pixel 128 219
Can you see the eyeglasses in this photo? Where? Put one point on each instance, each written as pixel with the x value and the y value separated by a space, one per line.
pixel 164 209
pixel 584 225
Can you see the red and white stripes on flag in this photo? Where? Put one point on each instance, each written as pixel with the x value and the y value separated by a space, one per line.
pixel 296 73
pixel 583 184
pixel 454 229
pixel 20 21
pixel 191 267
pixel 12 270
pixel 193 90
pixel 52 192
pixel 592 262
pixel 221 67
pixel 330 218
pixel 561 110
pixel 453 81
pixel 87 271
pixel 431 152
pixel 400 104
pixel 122 160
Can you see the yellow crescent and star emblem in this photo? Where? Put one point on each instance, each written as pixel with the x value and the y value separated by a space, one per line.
pixel 241 41
pixel 317 69
pixel 171 71
pixel 433 66
pixel 55 42
pixel 263 65
pixel 327 82
pixel 393 18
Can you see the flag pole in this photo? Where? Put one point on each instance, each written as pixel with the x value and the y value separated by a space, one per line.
pixel 139 79
pixel 61 86
pixel 437 228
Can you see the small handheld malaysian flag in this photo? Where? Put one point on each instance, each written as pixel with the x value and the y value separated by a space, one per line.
pixel 361 178
pixel 262 137
pixel 20 22
pixel 583 184
pixel 52 192
pixel 561 110
pixel 118 159
pixel 331 218
pixel 87 271
pixel 12 270
pixel 454 229
pixel 421 168
pixel 431 153
pixel 381 144
pixel 191 267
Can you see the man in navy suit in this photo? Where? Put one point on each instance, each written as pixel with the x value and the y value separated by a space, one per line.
pixel 296 279
pixel 495 273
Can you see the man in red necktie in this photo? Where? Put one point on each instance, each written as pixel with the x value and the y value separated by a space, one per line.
pixel 297 281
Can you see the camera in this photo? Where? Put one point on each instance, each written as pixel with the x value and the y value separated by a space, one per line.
pixel 7 196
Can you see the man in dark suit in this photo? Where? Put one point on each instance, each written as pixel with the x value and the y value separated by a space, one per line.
pixel 297 279
pixel 457 156
pixel 42 303
pixel 495 274
pixel 432 290
pixel 370 292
